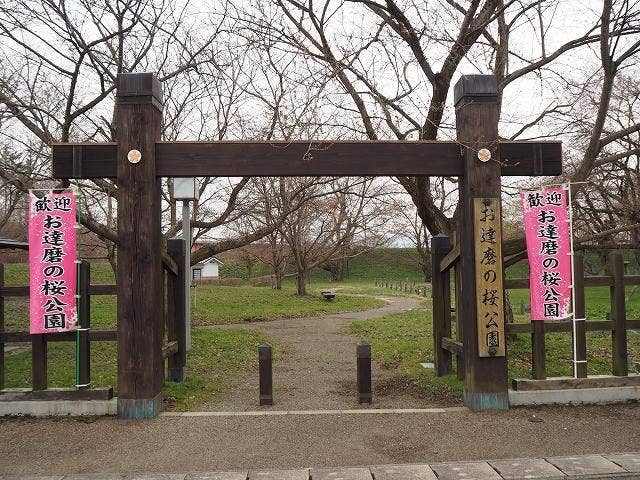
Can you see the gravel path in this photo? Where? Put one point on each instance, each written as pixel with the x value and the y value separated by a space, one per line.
pixel 317 370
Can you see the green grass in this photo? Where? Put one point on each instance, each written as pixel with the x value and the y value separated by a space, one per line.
pixel 217 305
pixel 402 341
pixel 216 358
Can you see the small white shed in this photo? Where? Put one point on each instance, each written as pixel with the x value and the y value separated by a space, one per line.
pixel 206 269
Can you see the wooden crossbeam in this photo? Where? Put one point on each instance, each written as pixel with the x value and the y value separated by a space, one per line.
pixel 302 158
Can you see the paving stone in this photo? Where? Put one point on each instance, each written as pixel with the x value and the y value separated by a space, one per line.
pixel 279 475
pixel 403 472
pixel 628 461
pixel 218 476
pixel 585 465
pixel 465 471
pixel 525 468
pixel 341 474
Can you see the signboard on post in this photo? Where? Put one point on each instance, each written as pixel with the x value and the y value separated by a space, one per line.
pixel 489 284
pixel 547 230
pixel 52 261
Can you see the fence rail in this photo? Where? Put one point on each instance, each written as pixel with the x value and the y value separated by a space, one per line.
pixel 174 348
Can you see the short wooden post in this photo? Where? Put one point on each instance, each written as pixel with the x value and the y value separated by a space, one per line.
pixel 441 299
pixel 39 362
pixel 2 374
pixel 363 371
pixel 84 345
pixel 477 112
pixel 579 309
pixel 619 316
pixel 176 300
pixel 538 353
pixel 138 119
pixel 265 367
pixel 459 326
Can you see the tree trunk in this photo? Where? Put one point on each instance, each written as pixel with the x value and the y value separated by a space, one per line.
pixel 301 284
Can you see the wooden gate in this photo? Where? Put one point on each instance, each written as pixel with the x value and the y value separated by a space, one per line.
pixel 139 159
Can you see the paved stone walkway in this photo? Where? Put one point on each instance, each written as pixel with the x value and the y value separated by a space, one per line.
pixel 620 465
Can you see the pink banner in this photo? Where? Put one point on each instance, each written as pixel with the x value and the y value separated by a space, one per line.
pixel 546 224
pixel 52 262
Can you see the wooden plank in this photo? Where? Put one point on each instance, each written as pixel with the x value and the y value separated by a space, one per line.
pixel 581 328
pixel 138 120
pixel 103 290
pixel 618 316
pixel 52 394
pixel 84 316
pixel 591 281
pixel 450 259
pixel 169 349
pixel 94 336
pixel 305 157
pixel 476 108
pixel 538 352
pixel 489 290
pixel 39 362
pixel 441 301
pixel 14 291
pixel 452 346
pixel 566 326
pixel 562 383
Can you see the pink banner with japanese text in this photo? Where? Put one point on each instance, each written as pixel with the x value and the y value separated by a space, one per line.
pixel 547 230
pixel 52 261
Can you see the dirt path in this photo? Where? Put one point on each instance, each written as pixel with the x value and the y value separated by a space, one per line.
pixel 317 370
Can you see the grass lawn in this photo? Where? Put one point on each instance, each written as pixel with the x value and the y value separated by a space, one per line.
pixel 217 356
pixel 216 305
pixel 215 359
pixel 402 341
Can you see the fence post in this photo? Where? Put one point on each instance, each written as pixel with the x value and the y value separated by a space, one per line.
pixel 84 345
pixel 265 368
pixel 1 327
pixel 579 309
pixel 176 299
pixel 619 316
pixel 538 353
pixel 441 298
pixel 363 371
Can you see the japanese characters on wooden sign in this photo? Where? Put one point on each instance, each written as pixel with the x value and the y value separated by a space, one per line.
pixel 52 261
pixel 547 229
pixel 489 284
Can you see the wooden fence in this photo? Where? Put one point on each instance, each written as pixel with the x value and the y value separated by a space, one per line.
pixel 403 286
pixel 445 258
pixel 174 349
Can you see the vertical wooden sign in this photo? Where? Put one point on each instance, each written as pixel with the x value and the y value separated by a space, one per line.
pixel 489 285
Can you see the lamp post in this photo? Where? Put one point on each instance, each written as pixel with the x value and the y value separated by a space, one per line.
pixel 186 190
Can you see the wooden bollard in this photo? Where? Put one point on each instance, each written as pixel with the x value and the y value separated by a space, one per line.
pixel 363 354
pixel 266 378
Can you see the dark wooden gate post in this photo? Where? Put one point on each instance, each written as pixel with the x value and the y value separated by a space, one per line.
pixel 138 118
pixel 441 299
pixel 476 102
